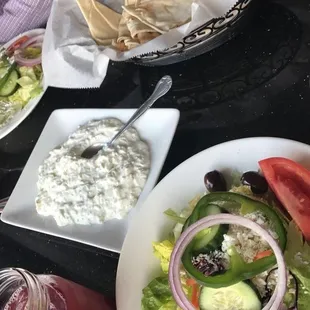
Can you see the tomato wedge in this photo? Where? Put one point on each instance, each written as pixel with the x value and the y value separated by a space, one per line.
pixel 291 184
pixel 263 254
pixel 17 44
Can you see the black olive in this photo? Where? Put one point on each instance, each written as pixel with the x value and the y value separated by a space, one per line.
pixel 215 182
pixel 256 181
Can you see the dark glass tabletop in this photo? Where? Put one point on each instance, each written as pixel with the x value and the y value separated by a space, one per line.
pixel 257 84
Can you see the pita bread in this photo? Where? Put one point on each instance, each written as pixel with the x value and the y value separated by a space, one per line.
pixel 140 22
pixel 133 33
pixel 124 35
pixel 102 21
pixel 161 15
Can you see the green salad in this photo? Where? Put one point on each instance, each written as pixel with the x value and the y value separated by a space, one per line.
pixel 228 266
pixel 20 75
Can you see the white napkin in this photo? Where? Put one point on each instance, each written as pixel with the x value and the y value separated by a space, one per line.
pixel 72 59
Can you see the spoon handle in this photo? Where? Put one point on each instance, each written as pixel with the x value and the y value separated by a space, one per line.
pixel 162 87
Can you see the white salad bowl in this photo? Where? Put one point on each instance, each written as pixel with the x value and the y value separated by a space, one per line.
pixel 156 127
pixel 137 264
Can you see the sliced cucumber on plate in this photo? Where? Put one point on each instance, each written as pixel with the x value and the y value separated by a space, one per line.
pixel 212 237
pixel 241 296
pixel 3 71
pixel 10 85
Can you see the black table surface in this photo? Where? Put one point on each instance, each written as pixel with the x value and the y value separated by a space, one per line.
pixel 254 85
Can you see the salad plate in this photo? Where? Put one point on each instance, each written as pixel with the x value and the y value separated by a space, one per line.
pixel 31 92
pixel 142 275
pixel 156 128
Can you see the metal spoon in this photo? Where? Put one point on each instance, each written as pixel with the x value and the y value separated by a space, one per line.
pixel 162 87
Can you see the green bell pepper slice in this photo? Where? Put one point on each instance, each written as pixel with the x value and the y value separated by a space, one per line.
pixel 238 269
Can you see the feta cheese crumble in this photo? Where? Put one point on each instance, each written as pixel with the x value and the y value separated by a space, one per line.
pixel 247 243
pixel 260 282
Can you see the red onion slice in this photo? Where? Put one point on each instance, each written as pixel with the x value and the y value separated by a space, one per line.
pixel 27 62
pixel 37 39
pixel 275 302
pixel 33 42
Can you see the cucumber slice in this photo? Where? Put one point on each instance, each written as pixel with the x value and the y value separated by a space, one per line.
pixel 239 296
pixel 212 236
pixel 4 71
pixel 10 85
pixel 4 61
pixel 5 74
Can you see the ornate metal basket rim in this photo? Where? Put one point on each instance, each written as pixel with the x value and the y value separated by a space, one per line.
pixel 172 50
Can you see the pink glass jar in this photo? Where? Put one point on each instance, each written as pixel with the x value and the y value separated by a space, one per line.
pixel 22 290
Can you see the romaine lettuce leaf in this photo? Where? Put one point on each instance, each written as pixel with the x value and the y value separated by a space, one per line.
pixel 297 258
pixel 185 214
pixel 4 61
pixel 175 217
pixel 30 85
pixel 163 251
pixel 303 299
pixel 26 81
pixel 28 71
pixel 32 52
pixel 38 72
pixel 157 295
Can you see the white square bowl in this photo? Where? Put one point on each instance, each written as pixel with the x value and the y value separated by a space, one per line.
pixel 156 127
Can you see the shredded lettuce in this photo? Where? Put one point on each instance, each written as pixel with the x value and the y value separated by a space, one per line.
pixel 297 258
pixel 30 85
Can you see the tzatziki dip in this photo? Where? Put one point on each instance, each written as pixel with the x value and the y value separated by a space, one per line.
pixel 75 190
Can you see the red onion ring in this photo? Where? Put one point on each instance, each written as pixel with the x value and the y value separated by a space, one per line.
pixel 276 299
pixel 27 62
pixel 35 44
pixel 37 39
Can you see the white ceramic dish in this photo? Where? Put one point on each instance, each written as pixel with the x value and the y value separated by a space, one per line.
pixel 156 127
pixel 21 115
pixel 137 264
